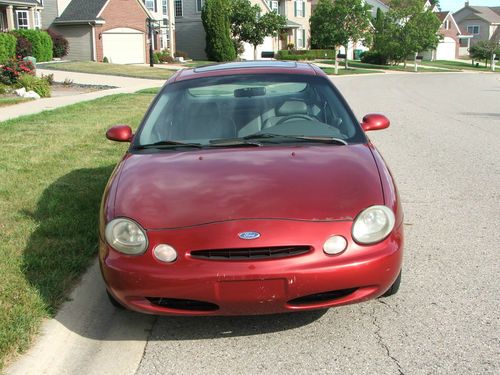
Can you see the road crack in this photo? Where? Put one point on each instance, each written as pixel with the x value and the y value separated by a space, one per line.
pixel 381 342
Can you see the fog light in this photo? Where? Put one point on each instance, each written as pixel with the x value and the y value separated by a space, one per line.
pixel 165 253
pixel 335 245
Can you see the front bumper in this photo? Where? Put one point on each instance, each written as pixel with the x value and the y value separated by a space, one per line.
pixel 248 287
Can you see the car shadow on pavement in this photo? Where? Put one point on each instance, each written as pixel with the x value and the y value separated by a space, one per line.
pixel 211 327
pixel 66 236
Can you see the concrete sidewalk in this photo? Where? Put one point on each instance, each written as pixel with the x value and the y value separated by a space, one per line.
pixel 122 84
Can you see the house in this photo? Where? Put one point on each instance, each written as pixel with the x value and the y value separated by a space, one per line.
pixel 115 29
pixel 482 22
pixel 20 14
pixel 190 34
pixel 454 43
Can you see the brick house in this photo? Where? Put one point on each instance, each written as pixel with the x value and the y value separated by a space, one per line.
pixel 190 34
pixel 20 14
pixel 115 29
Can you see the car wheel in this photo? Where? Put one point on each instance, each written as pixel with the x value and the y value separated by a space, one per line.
pixel 114 302
pixel 394 287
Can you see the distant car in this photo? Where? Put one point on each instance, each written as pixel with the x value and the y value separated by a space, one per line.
pixel 249 188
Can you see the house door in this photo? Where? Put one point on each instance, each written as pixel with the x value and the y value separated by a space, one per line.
pixel 124 46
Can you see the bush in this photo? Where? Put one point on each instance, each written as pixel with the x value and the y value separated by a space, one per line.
pixel 215 17
pixel 374 57
pixel 23 47
pixel 161 57
pixel 182 54
pixel 60 46
pixel 13 69
pixel 7 47
pixel 156 57
pixel 105 60
pixel 33 83
pixel 41 42
pixel 4 89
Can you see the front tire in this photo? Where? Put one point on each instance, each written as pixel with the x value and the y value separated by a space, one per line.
pixel 394 287
pixel 114 302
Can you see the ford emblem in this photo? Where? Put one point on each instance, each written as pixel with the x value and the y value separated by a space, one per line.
pixel 249 235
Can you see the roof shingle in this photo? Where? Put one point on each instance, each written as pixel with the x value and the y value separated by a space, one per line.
pixel 82 10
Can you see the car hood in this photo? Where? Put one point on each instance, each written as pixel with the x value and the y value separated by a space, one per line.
pixel 315 183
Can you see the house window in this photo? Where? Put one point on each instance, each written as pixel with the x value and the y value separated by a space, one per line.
pixel 178 8
pixel 151 5
pixel 447 24
pixel 275 6
pixel 473 29
pixel 22 19
pixel 199 5
pixel 38 20
pixel 300 8
pixel 300 37
pixel 164 7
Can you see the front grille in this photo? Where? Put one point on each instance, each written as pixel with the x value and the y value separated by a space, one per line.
pixel 251 253
pixel 322 297
pixel 183 304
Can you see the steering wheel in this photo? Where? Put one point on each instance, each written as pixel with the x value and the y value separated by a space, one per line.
pixel 293 117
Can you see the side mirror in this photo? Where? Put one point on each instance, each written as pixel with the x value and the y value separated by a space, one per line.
pixel 120 133
pixel 375 122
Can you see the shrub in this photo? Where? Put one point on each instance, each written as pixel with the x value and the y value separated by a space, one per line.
pixel 13 69
pixel 7 47
pixel 23 47
pixel 374 57
pixel 60 45
pixel 156 57
pixel 4 89
pixel 312 54
pixel 49 78
pixel 181 54
pixel 41 42
pixel 33 83
pixel 105 60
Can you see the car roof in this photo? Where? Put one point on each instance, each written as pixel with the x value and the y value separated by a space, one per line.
pixel 248 67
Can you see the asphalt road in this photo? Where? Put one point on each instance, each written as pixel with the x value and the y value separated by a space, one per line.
pixel 444 150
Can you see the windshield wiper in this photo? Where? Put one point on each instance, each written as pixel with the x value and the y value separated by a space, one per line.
pixel 168 143
pixel 322 139
pixel 232 142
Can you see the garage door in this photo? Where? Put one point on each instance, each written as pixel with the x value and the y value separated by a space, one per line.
pixel 446 49
pixel 124 46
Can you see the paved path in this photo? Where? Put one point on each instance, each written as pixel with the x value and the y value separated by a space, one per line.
pixel 444 149
pixel 123 84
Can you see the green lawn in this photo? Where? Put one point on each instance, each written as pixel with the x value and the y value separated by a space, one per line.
pixel 4 102
pixel 53 169
pixel 134 71
pixel 344 72
pixel 399 68
pixel 460 65
pixel 197 63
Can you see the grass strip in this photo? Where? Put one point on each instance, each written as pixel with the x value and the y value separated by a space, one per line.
pixel 133 71
pixel 53 170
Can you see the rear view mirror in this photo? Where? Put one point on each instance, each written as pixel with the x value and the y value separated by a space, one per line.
pixel 375 121
pixel 249 92
pixel 120 133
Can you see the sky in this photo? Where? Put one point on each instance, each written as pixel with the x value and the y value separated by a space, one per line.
pixel 454 5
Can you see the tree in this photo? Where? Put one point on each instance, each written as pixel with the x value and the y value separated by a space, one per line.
pixel 484 50
pixel 248 25
pixel 215 16
pixel 405 30
pixel 334 24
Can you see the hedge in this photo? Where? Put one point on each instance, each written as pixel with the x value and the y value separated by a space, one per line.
pixel 312 54
pixel 41 41
pixel 7 47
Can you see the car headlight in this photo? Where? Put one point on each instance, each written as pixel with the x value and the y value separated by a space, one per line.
pixel 126 236
pixel 373 225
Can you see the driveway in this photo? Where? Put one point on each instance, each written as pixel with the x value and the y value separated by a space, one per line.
pixel 444 150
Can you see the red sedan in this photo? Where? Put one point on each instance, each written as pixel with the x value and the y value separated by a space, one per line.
pixel 249 188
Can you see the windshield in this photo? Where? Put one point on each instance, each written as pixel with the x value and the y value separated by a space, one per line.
pixel 267 109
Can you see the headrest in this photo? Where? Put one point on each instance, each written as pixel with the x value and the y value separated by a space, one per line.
pixel 292 107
